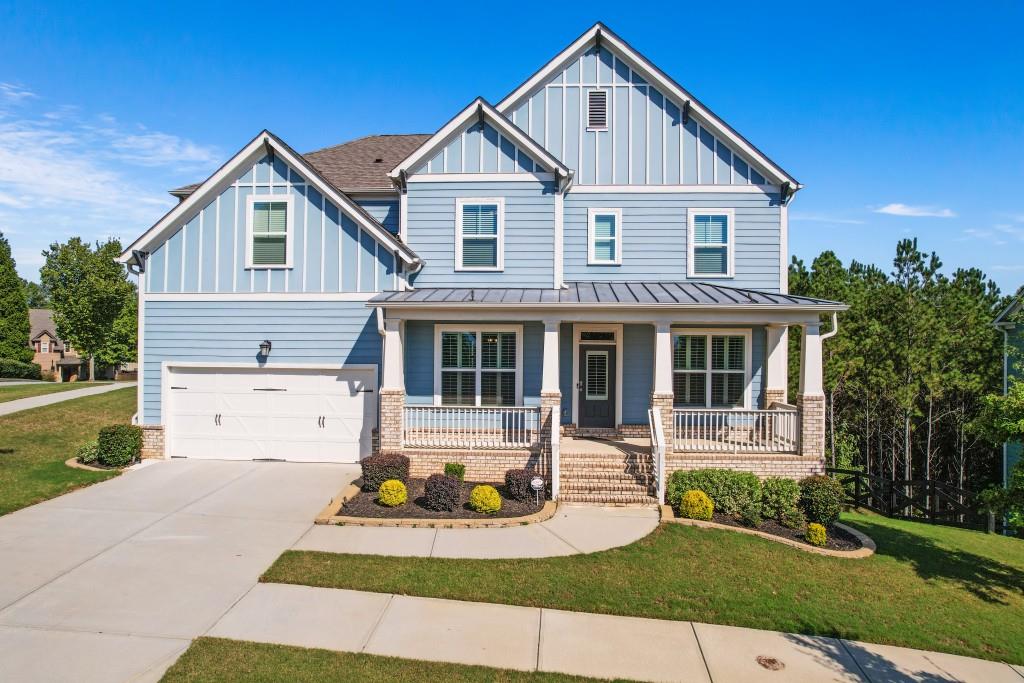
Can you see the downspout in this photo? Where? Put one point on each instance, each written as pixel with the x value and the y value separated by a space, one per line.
pixel 828 335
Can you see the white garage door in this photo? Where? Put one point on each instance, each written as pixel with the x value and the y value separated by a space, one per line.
pixel 243 414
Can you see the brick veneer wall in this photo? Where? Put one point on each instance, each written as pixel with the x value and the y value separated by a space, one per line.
pixel 392 414
pixel 480 465
pixel 812 425
pixel 792 466
pixel 774 396
pixel 152 441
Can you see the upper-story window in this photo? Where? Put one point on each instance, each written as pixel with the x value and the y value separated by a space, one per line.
pixel 597 110
pixel 44 346
pixel 711 368
pixel 479 234
pixel 711 242
pixel 269 232
pixel 478 365
pixel 604 237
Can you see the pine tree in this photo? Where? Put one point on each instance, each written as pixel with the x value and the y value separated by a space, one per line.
pixel 14 324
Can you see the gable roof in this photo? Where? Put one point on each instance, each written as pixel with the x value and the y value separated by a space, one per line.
pixel 601 34
pixel 1015 305
pixel 477 109
pixel 40 321
pixel 266 141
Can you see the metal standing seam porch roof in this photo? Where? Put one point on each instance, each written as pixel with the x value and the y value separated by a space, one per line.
pixel 602 294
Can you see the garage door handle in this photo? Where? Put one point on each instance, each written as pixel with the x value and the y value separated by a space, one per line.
pixel 365 391
pixel 270 390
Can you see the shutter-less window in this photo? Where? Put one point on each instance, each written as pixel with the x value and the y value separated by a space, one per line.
pixel 597 109
pixel 606 238
pixel 479 235
pixel 711 245
pixel 487 377
pixel 270 233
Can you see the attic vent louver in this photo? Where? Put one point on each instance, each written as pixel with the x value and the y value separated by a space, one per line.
pixel 597 110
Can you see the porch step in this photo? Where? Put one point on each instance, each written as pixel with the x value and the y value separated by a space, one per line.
pixel 602 499
pixel 630 476
pixel 597 465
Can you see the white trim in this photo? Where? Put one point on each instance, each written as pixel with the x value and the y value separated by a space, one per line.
pixel 586 378
pixel 595 313
pixel 44 346
pixel 140 406
pixel 658 189
pixel 481 177
pixel 708 332
pixel 477 330
pixel 784 249
pixel 250 203
pixel 730 245
pixel 577 329
pixel 263 296
pixel 592 215
pixel 607 99
pixel 499 238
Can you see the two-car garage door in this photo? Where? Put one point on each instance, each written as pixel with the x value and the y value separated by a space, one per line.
pixel 309 415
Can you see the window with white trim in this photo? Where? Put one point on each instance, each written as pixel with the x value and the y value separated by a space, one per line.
pixel 711 242
pixel 480 228
pixel 269 231
pixel 710 369
pixel 44 346
pixel 478 367
pixel 604 237
pixel 597 110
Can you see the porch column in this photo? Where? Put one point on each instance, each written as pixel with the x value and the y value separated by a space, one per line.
pixel 776 366
pixel 550 401
pixel 662 396
pixel 392 388
pixel 811 401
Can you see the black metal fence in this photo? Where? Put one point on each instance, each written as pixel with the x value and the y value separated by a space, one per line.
pixel 922 500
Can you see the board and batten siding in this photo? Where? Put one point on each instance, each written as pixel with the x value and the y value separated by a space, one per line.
pixel 385 211
pixel 528 239
pixel 331 333
pixel 646 142
pixel 479 151
pixel 654 236
pixel 331 253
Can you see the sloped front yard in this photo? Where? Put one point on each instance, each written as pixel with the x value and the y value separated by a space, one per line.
pixel 927 587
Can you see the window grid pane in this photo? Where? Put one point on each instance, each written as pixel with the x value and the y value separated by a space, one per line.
pixel 689 389
pixel 479 219
pixel 690 352
pixel 269 249
pixel 711 260
pixel 727 353
pixel 711 229
pixel 480 252
pixel 604 250
pixel 497 388
pixel 458 388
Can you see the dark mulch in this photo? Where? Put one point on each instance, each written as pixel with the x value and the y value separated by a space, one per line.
pixel 365 504
pixel 837 538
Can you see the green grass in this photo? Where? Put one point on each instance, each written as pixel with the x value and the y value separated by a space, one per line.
pixel 13 393
pixel 929 587
pixel 215 660
pixel 35 443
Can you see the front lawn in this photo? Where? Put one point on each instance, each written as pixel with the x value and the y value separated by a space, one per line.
pixel 14 392
pixel 215 660
pixel 929 587
pixel 35 443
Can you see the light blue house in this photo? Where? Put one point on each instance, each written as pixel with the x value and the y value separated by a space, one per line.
pixel 1013 364
pixel 596 255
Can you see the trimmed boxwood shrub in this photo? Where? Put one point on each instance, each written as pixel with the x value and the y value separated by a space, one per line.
pixel 696 505
pixel 379 468
pixel 88 452
pixel 119 445
pixel 821 499
pixel 392 493
pixel 816 535
pixel 779 497
pixel 456 470
pixel 794 519
pixel 441 492
pixel 517 483
pixel 15 369
pixel 485 499
pixel 730 491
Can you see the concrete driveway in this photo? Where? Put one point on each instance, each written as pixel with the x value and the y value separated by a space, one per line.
pixel 110 583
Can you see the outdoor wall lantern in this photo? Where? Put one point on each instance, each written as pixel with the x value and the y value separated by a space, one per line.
pixel 265 346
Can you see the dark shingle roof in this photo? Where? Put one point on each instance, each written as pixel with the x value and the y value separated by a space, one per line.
pixel 689 294
pixel 41 320
pixel 353 166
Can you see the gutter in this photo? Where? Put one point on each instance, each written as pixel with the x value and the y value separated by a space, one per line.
pixel 620 306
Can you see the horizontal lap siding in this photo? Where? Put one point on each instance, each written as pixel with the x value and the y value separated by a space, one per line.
pixel 654 236
pixel 529 233
pixel 326 332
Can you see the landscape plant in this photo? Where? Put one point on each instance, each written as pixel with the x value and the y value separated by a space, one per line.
pixel 485 499
pixel 517 483
pixel 15 369
pixel 456 470
pixel 119 445
pixel 779 497
pixel 821 499
pixel 730 490
pixel 88 452
pixel 381 467
pixel 696 505
pixel 392 493
pixel 816 535
pixel 441 492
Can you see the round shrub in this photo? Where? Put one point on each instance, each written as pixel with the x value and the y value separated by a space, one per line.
pixel 455 470
pixel 15 369
pixel 821 499
pixel 731 491
pixel 696 505
pixel 794 519
pixel 485 499
pixel 779 496
pixel 517 483
pixel 87 452
pixel 119 445
pixel 816 535
pixel 392 493
pixel 441 492
pixel 382 467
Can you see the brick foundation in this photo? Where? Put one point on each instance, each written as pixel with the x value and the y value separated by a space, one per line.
pixel 664 403
pixel 634 431
pixel 772 396
pixel 792 466
pixel 812 425
pixel 392 414
pixel 480 465
pixel 152 441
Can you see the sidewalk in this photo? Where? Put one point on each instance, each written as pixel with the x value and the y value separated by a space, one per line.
pixel 595 645
pixel 21 404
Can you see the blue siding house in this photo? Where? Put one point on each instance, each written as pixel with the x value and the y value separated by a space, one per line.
pixel 592 268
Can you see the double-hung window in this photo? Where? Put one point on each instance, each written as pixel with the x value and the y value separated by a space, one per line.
pixel 44 346
pixel 269 231
pixel 479 234
pixel 478 366
pixel 711 233
pixel 604 237
pixel 711 369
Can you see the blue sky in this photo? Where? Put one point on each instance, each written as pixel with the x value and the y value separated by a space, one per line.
pixel 902 119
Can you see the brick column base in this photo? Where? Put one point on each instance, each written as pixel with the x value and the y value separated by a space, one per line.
pixel 550 419
pixel 774 396
pixel 392 415
pixel 663 402
pixel 811 409
pixel 152 441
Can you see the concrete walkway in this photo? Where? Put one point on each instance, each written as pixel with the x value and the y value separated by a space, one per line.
pixel 577 643
pixel 9 407
pixel 574 529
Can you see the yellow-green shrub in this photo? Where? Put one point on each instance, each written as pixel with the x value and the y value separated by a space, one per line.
pixel 816 534
pixel 484 498
pixel 696 505
pixel 392 493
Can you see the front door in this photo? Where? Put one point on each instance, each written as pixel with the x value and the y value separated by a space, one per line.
pixel 596 390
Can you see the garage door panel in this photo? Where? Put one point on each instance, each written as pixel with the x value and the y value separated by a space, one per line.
pixel 296 404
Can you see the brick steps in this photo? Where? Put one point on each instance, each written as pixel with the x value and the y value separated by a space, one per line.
pixel 623 478
pixel 601 499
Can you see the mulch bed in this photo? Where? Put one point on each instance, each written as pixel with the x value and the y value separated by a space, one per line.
pixel 837 538
pixel 365 504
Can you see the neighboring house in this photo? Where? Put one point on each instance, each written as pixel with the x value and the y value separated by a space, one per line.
pixel 596 249
pixel 1013 357
pixel 52 354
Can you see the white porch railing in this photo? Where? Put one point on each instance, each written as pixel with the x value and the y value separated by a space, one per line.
pixel 657 450
pixel 470 428
pixel 735 431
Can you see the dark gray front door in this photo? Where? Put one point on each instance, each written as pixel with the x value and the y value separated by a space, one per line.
pixel 596 391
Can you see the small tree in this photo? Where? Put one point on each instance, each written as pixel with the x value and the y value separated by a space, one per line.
pixel 122 344
pixel 36 295
pixel 14 325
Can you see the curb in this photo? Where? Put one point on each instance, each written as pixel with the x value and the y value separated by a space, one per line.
pixel 73 462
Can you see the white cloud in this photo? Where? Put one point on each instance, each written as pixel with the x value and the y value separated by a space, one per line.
pixel 15 93
pixel 1016 267
pixel 898 209
pixel 824 218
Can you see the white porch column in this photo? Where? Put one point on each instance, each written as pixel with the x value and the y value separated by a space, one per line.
pixel 661 394
pixel 392 389
pixel 810 361
pixel 394 361
pixel 811 401
pixel 549 377
pixel 776 366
